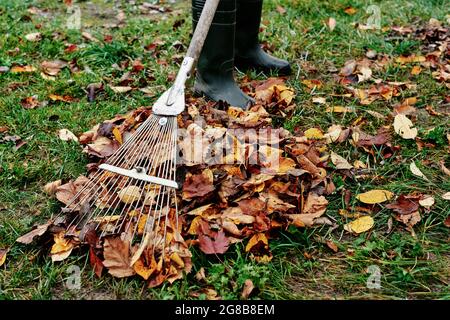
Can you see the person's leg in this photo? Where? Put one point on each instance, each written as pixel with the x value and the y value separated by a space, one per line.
pixel 215 66
pixel 249 54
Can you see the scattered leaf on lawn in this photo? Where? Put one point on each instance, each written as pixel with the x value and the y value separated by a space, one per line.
pixel 404 205
pixel 360 225
pixel 350 11
pixel 3 253
pixel 404 127
pixel 34 37
pixel 427 202
pixel 314 133
pixel 51 187
pixel 375 196
pixel 248 288
pixel 446 196
pixel 340 162
pixel 30 102
pixel 65 98
pixel 332 246
pixel 416 171
pixel 67 135
pixel 37 232
pixel 121 89
pixel 19 69
pixel 331 23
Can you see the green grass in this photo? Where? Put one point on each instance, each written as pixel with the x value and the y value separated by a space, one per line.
pixel 414 267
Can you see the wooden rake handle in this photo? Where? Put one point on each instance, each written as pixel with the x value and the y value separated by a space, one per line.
pixel 201 31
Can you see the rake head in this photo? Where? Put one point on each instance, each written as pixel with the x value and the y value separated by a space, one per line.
pixel 134 191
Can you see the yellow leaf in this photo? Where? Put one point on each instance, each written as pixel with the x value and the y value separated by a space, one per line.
pixel 18 69
pixel 141 224
pixel 259 237
pixel 314 133
pixel 194 225
pixel 338 109
pixel 416 70
pixel 176 258
pixel 360 225
pixel 410 59
pixel 375 196
pixel 144 271
pixel 311 84
pixel 3 253
pixel 130 194
pixel 117 135
pixel 61 244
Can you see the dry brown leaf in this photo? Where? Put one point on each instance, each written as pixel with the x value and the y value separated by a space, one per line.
pixel 51 187
pixel 121 89
pixel 102 147
pixel 37 232
pixel 427 201
pixel 331 23
pixel 198 185
pixel 340 162
pixel 248 288
pixel 66 192
pixel 404 205
pixel 30 102
pixel 130 194
pixel 118 257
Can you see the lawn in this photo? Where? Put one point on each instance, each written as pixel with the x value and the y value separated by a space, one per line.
pixel 411 263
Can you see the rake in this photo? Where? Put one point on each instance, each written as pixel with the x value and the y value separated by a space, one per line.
pixel 135 190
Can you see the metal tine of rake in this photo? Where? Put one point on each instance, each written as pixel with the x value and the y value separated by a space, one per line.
pixel 116 187
pixel 152 226
pixel 89 190
pixel 136 154
pixel 142 185
pixel 168 145
pixel 161 200
pixel 115 160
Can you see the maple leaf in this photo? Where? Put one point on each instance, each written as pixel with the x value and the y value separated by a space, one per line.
pixel 117 257
pixel 216 245
pixel 198 185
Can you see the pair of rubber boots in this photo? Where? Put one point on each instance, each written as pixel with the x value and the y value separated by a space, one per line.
pixel 232 41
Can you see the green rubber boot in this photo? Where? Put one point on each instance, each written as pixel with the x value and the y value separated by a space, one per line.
pixel 249 54
pixel 215 67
